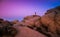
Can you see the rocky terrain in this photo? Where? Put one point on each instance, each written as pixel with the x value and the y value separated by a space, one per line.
pixel 51 21
pixel 47 25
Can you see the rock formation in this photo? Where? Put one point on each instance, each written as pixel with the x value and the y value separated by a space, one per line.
pixel 33 26
pixel 7 29
pixel 51 21
pixel 31 21
pixel 48 24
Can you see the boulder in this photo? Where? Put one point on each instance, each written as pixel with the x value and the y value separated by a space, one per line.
pixel 51 20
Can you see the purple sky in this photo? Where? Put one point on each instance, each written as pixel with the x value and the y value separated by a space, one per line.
pixel 15 9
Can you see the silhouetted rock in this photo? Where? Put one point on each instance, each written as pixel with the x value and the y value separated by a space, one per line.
pixel 7 29
pixel 1 20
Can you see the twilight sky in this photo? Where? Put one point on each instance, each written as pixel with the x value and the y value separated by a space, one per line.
pixel 17 9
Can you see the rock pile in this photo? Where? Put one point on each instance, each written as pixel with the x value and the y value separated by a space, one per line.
pixel 51 20
pixel 7 29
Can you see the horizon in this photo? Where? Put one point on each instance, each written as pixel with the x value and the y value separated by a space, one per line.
pixel 15 9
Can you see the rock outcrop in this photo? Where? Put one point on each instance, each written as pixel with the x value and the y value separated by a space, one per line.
pixel 34 25
pixel 51 20
pixel 7 29
pixel 48 24
pixel 31 21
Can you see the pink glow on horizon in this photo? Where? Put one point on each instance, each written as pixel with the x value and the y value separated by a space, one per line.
pixel 16 9
pixel 11 9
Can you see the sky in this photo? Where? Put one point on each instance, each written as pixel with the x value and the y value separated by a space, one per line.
pixel 18 9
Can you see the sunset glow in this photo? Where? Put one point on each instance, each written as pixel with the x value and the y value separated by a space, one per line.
pixel 18 9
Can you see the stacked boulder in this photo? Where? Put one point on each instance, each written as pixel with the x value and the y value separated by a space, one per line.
pixel 51 20
pixel 48 24
pixel 31 21
pixel 7 29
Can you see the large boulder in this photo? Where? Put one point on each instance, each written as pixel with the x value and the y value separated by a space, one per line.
pixel 51 20
pixel 31 21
